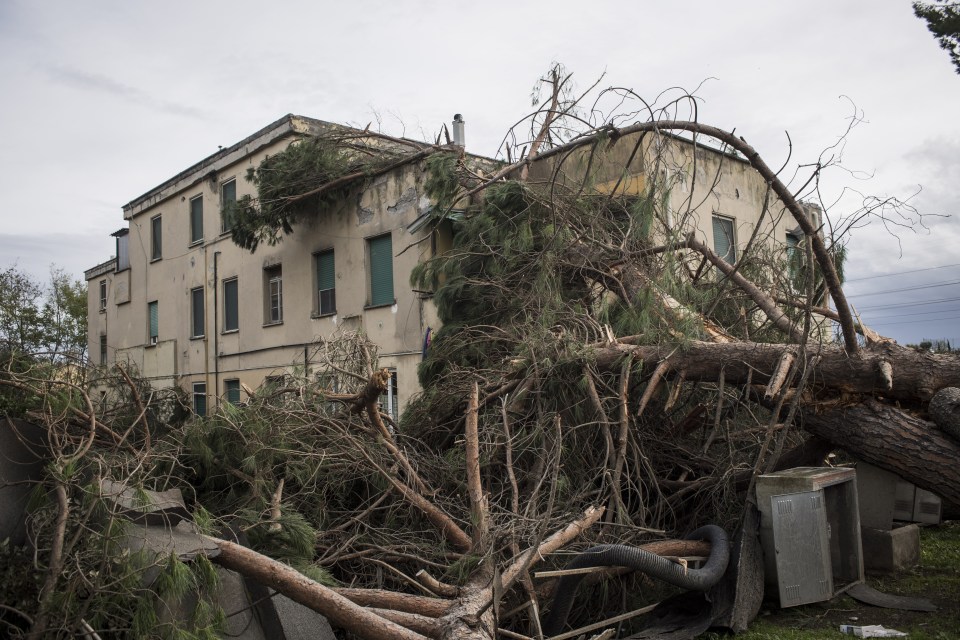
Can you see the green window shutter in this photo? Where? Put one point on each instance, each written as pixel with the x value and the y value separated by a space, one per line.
pixel 154 313
pixel 196 219
pixel 196 305
pixel 326 284
pixel 381 270
pixel 156 231
pixel 231 315
pixel 233 391
pixel 200 398
pixel 723 239
pixel 228 195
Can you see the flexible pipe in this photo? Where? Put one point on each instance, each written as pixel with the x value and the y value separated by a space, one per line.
pixel 619 555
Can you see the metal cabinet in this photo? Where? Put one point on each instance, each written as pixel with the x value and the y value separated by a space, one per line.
pixel 810 533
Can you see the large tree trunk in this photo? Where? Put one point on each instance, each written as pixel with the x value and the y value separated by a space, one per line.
pixel 883 435
pixel 911 375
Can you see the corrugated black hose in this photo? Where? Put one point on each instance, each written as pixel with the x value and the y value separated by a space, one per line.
pixel 619 555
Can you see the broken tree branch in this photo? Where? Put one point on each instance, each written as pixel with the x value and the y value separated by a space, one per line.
pixel 338 609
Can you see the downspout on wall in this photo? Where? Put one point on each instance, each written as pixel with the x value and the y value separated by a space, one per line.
pixel 216 331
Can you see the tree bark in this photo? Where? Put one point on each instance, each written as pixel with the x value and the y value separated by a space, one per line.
pixel 914 375
pixel 890 438
pixel 339 610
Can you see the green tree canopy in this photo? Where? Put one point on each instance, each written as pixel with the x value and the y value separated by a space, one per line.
pixel 42 320
pixel 943 21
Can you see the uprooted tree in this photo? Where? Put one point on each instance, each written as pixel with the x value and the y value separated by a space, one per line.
pixel 601 376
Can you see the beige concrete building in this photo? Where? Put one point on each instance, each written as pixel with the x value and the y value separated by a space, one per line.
pixel 188 307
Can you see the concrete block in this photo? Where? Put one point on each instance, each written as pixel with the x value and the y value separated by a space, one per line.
pixel 891 550
pixel 876 490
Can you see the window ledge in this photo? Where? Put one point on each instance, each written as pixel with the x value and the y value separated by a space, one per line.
pixel 272 324
pixel 317 316
pixel 226 331
pixel 103 309
pixel 151 345
pixel 195 243
pixel 197 337
pixel 381 305
pixel 152 260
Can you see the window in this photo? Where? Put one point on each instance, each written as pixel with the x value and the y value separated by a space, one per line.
pixel 103 348
pixel 381 270
pixel 196 219
pixel 273 295
pixel 276 382
pixel 153 314
pixel 231 389
pixel 231 313
pixel 123 249
pixel 156 238
pixel 388 401
pixel 103 295
pixel 196 313
pixel 724 239
pixel 200 398
pixel 795 258
pixel 228 195
pixel 326 284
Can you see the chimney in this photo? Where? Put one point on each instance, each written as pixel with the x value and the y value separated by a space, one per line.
pixel 458 137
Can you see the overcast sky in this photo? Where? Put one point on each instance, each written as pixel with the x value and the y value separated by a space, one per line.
pixel 104 100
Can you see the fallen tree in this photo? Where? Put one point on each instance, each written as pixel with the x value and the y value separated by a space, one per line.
pixel 602 376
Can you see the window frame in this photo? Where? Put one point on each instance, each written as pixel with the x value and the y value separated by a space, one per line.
pixel 229 386
pixel 234 283
pixel 156 238
pixel 103 295
pixel 720 219
pixel 223 218
pixel 123 250
pixel 194 309
pixel 320 310
pixel 375 258
pixel 195 224
pixel 153 322
pixel 199 391
pixel 103 349
pixel 388 401
pixel 273 289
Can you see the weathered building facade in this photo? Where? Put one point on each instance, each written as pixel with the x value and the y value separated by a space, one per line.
pixel 188 307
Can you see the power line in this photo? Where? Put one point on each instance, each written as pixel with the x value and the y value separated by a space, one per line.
pixel 926 286
pixel 907 304
pixel 920 313
pixel 898 324
pixel 900 273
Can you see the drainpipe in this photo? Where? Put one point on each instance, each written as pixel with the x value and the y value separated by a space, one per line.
pixel 216 331
pixel 206 336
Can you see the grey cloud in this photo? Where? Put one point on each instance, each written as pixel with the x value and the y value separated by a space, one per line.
pixel 74 252
pixel 102 84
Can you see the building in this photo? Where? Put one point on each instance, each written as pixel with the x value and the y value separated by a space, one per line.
pixel 186 306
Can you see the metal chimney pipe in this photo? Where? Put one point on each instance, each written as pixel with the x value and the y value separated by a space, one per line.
pixel 458 136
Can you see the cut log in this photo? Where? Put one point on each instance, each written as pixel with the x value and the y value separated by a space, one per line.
pixel 945 411
pixel 881 434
